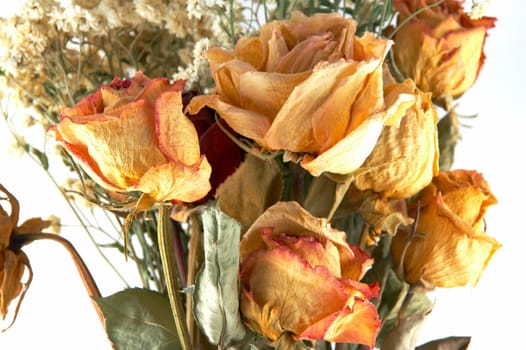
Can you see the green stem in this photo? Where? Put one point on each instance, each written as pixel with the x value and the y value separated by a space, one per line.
pixel 166 244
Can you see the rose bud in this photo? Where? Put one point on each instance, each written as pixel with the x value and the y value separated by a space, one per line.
pixel 449 247
pixel 441 48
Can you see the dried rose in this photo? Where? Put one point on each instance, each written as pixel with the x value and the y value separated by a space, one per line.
pixel 132 135
pixel 405 158
pixel 441 48
pixel 290 261
pixel 449 247
pixel 220 150
pixel 13 261
pixel 308 86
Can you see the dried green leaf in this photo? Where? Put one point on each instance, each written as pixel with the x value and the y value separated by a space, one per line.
pixel 448 135
pixel 393 294
pixel 41 156
pixel 216 296
pixel 404 334
pixel 449 343
pixel 139 319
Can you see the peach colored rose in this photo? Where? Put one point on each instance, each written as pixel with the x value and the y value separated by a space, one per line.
pixel 13 261
pixel 440 48
pixel 132 135
pixel 449 247
pixel 290 261
pixel 405 158
pixel 307 86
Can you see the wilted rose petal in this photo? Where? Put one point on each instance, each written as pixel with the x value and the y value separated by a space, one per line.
pixel 280 282
pixel 15 270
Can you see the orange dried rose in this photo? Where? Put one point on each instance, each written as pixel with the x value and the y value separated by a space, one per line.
pixel 449 248
pixel 441 48
pixel 132 135
pixel 290 261
pixel 405 158
pixel 308 86
pixel 13 261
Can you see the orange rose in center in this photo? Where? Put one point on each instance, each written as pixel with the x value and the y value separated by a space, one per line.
pixel 307 86
pixel 300 280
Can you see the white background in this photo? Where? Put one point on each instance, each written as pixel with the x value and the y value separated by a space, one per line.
pixel 57 314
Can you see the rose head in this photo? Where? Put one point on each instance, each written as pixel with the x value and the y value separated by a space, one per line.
pixel 450 248
pixel 440 48
pixel 308 86
pixel 300 280
pixel 405 158
pixel 132 135
pixel 13 261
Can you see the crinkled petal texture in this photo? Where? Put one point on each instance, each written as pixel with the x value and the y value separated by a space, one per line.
pixel 132 135
pixel 450 249
pixel 291 262
pixel 309 86
pixel 405 158
pixel 14 264
pixel 441 48
pixel 12 268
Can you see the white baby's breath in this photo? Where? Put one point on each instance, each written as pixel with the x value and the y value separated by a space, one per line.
pixel 478 9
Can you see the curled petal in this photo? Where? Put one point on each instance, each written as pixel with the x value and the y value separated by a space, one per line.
pixel 350 152
pixel 177 135
pixel 357 323
pixel 245 122
pixel 174 181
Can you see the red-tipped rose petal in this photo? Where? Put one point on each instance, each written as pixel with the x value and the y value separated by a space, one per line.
pixel 281 281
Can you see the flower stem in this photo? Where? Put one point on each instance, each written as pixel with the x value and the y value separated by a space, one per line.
pixel 85 274
pixel 166 247
pixel 341 190
pixel 194 259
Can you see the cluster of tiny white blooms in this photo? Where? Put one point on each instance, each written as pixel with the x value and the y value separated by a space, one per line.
pixel 150 10
pixel 108 12
pixel 37 10
pixel 74 19
pixel 55 224
pixel 198 8
pixel 20 41
pixel 478 9
pixel 196 70
pixel 178 22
